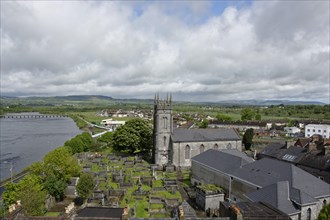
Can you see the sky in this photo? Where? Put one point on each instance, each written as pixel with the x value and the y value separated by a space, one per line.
pixel 196 50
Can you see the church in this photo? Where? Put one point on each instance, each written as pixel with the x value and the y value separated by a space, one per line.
pixel 176 146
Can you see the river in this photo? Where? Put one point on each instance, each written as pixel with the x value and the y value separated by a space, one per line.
pixel 27 140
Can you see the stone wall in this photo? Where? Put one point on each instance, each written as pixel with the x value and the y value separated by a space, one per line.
pixel 177 150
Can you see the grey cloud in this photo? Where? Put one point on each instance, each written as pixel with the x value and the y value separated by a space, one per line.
pixel 266 50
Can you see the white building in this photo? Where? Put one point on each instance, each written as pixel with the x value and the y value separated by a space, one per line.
pixel 113 125
pixel 291 130
pixel 323 130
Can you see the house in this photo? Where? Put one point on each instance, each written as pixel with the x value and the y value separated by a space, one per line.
pixel 113 125
pixel 321 129
pixel 281 184
pixel 292 131
pixel 251 211
pixel 241 126
pixel 310 154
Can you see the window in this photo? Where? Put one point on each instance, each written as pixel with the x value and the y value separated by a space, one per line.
pixel 164 140
pixel 308 130
pixel 309 214
pixel 313 130
pixel 229 146
pixel 319 131
pixel 201 149
pixel 187 152
pixel 324 203
pixel 324 131
pixel 216 147
pixel 165 122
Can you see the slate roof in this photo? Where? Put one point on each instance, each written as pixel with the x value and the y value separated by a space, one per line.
pixel 292 154
pixel 260 210
pixel 276 195
pixel 223 160
pixel 196 135
pixel 100 213
pixel 266 171
pixel 274 149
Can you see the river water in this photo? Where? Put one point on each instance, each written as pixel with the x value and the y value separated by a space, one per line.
pixel 27 140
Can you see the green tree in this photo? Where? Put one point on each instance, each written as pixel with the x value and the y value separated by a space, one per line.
pixel 133 137
pixel 222 117
pixel 61 164
pixel 324 213
pixel 85 185
pixel 55 187
pixel 10 195
pixel 32 196
pixel 106 138
pixel 258 117
pixel 204 124
pixel 76 145
pixel 248 138
pixel 247 114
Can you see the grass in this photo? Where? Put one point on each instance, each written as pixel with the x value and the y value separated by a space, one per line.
pixel 156 206
pixel 158 183
pixel 52 214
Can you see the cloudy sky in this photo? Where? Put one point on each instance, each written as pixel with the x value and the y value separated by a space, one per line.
pixel 196 50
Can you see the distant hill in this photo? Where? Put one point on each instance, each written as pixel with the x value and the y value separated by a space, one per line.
pixel 107 100
pixel 254 102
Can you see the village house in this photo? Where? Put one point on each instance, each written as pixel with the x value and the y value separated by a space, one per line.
pixel 310 154
pixel 321 129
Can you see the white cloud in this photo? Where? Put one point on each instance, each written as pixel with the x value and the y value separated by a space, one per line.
pixel 266 50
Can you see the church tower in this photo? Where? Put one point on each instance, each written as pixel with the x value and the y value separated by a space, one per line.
pixel 163 128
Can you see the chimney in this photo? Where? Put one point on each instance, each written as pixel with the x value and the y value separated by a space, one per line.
pixel 326 149
pixel 312 146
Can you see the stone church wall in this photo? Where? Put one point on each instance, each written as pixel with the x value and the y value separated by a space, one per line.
pixel 178 153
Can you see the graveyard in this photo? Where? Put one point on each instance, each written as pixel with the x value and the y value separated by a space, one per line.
pixel 147 190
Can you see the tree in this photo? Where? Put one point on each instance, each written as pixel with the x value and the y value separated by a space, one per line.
pixel 55 187
pixel 247 114
pixel 85 185
pixel 32 196
pixel 10 195
pixel 133 137
pixel 324 213
pixel 61 164
pixel 258 117
pixel 204 124
pixel 107 137
pixel 76 145
pixel 248 138
pixel 222 117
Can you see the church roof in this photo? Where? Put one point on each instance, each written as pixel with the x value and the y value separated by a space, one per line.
pixel 199 135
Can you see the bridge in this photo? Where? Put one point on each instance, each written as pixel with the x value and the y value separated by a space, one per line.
pixel 33 116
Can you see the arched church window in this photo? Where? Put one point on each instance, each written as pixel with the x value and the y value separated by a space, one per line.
pixel 201 148
pixel 165 122
pixel 324 203
pixel 216 147
pixel 309 214
pixel 229 146
pixel 187 152
pixel 164 140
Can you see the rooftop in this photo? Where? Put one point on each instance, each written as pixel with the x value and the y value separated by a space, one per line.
pixel 219 134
